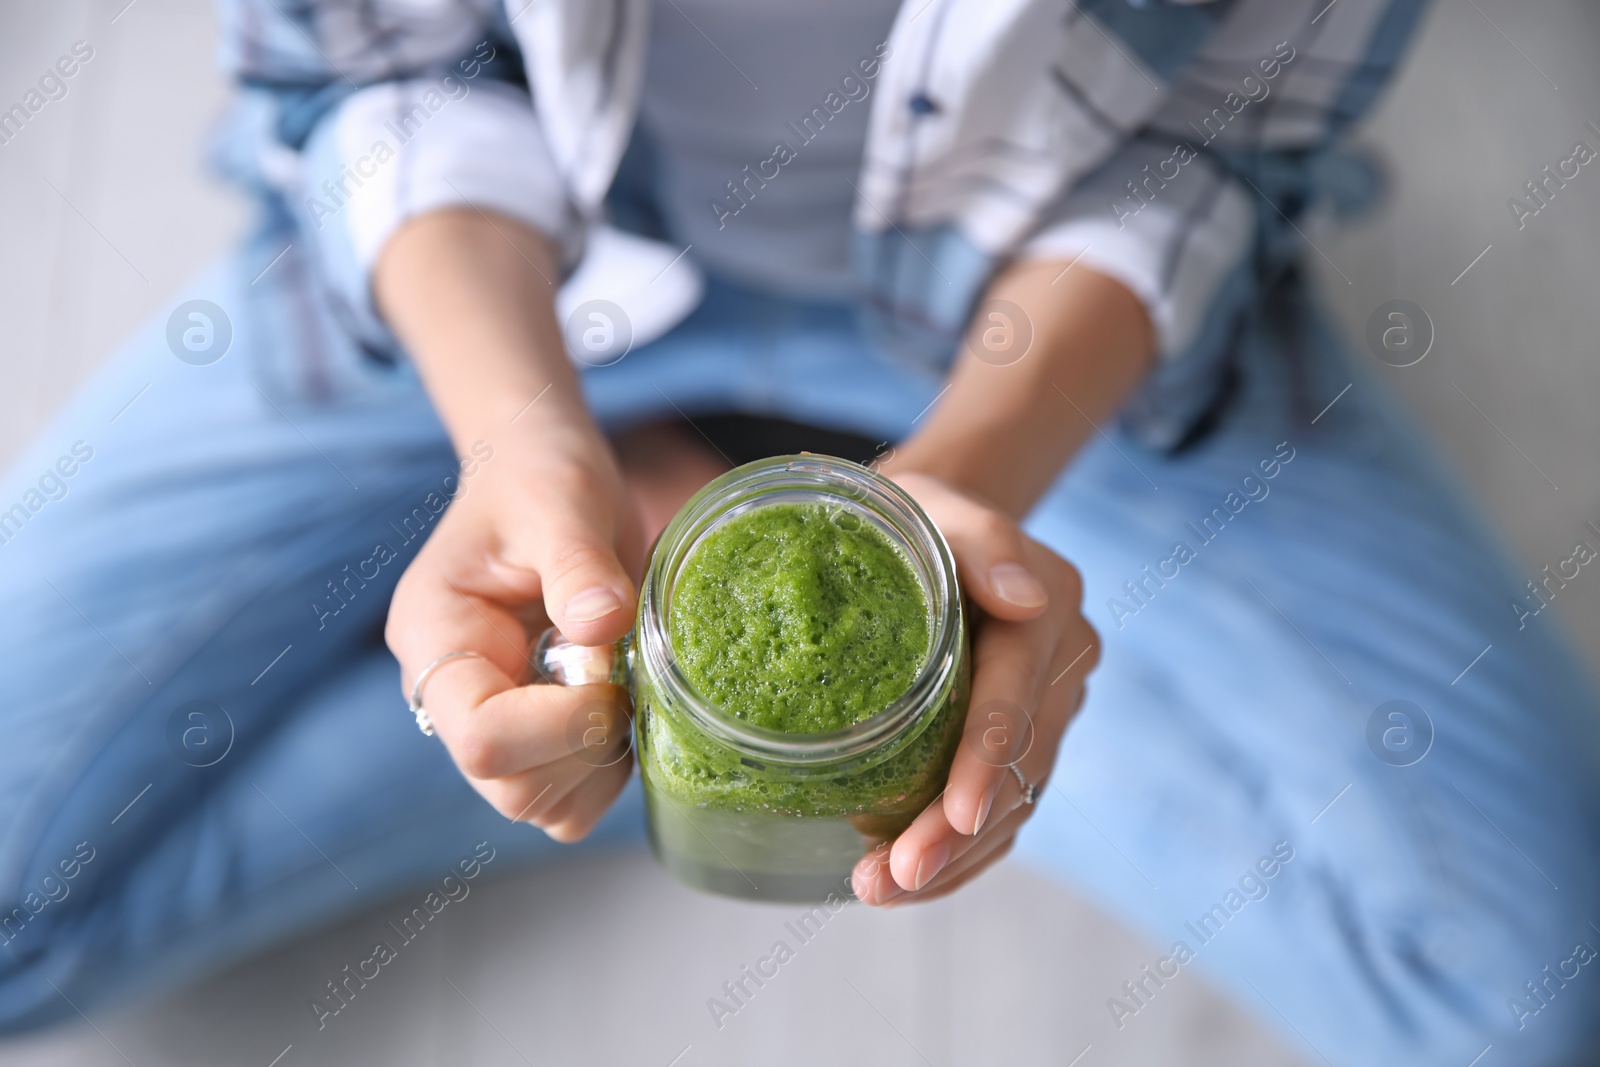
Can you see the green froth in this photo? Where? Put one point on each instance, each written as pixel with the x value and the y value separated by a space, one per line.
pixel 802 618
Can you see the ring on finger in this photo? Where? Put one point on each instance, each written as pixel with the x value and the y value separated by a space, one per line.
pixel 1030 793
pixel 424 723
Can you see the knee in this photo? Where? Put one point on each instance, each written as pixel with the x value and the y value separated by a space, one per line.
pixel 1433 969
pixel 36 981
pixel 40 957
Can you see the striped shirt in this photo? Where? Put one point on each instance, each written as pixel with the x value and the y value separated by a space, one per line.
pixel 1169 145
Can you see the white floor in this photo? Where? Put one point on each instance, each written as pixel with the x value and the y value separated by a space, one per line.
pixel 105 212
pixel 607 961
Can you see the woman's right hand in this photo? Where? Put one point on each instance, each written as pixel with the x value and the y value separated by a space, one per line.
pixel 540 535
pixel 545 532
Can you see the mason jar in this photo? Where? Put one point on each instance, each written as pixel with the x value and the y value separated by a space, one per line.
pixel 762 814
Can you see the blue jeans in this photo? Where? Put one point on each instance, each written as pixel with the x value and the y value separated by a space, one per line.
pixel 201 703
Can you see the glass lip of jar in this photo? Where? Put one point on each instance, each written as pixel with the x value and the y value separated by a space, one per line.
pixel 864 488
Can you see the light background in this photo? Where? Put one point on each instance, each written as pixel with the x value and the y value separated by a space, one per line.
pixel 106 211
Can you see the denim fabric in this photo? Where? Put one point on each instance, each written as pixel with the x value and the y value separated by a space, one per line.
pixel 1218 790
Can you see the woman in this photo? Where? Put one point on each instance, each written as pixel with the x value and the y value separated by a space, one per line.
pixel 970 242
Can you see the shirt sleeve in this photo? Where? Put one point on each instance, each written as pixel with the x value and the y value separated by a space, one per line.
pixel 394 151
pixel 1165 221
pixel 1193 211
pixel 360 120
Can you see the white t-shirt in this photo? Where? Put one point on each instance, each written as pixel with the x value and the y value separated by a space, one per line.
pixel 730 81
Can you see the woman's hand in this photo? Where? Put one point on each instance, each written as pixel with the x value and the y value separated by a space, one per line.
pixel 1053 348
pixel 1031 651
pixel 544 535
pixel 547 533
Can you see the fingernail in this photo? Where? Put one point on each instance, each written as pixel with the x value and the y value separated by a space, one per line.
pixel 932 862
pixel 866 885
pixel 1012 583
pixel 591 604
pixel 983 807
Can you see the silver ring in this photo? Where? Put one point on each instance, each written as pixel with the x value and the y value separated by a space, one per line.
pixel 424 723
pixel 1030 793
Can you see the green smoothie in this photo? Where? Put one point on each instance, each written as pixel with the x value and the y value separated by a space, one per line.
pixel 787 607
pixel 801 618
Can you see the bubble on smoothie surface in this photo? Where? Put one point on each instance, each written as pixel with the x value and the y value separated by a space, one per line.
pixel 789 619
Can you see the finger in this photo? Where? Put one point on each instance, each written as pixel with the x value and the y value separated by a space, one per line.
pixel 1010 661
pixel 519 729
pixel 430 616
pixel 573 549
pixel 870 879
pixel 530 796
pixel 1028 683
pixel 994 558
pixel 930 844
pixel 583 807
pixel 958 874
pixel 875 882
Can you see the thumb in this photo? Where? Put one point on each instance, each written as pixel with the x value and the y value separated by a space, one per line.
pixel 587 592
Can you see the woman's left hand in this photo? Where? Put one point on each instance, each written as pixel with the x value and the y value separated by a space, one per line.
pixel 1031 651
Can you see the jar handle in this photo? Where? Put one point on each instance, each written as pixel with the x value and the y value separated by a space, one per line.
pixel 560 662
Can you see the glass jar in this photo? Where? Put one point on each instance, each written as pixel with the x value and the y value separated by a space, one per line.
pixel 757 813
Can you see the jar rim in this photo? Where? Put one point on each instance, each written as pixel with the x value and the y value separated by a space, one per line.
pixel 857 485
